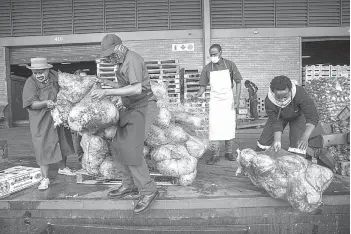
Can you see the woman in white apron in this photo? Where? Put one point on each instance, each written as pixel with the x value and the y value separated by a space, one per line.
pixel 220 74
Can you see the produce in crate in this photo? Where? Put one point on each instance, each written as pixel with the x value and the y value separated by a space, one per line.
pixel 331 95
pixel 332 98
pixel 287 176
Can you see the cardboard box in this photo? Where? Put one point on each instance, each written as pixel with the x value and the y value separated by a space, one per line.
pixel 243 112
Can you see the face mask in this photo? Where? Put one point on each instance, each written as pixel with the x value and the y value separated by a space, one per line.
pixel 40 77
pixel 215 59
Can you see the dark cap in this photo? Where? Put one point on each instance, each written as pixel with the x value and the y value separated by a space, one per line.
pixel 108 44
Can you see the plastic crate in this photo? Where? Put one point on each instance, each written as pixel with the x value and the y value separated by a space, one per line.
pixel 344 114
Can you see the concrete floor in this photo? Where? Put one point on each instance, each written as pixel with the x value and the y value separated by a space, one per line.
pixel 216 200
pixel 211 181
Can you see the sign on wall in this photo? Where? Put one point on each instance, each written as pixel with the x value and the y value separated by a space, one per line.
pixel 183 47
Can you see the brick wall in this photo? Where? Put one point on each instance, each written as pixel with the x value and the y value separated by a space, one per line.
pixel 162 50
pixel 260 59
pixel 3 84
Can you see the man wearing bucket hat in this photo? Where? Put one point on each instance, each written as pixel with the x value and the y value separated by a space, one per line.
pixel 141 110
pixel 51 144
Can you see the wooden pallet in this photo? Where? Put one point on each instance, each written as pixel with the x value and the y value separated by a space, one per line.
pixel 82 177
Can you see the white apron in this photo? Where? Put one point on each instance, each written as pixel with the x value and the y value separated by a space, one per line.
pixel 222 113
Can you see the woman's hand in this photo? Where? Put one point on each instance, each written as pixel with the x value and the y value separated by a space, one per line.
pixel 302 144
pixel 50 104
pixel 277 145
pixel 98 94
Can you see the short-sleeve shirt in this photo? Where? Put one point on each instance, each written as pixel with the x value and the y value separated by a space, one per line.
pixel 221 65
pixel 133 70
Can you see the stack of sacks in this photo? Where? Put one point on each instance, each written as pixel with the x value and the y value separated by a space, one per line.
pixel 174 151
pixel 95 120
pixel 286 176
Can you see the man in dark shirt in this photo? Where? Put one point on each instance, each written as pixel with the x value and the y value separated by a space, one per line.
pixel 252 89
pixel 128 144
pixel 221 74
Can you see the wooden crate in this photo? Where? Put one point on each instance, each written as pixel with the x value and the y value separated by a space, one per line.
pixel 317 71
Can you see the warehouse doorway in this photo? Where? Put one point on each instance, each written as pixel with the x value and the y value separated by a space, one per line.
pixel 19 75
pixel 329 52
pixel 325 58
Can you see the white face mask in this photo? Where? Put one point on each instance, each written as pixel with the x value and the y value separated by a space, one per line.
pixel 215 59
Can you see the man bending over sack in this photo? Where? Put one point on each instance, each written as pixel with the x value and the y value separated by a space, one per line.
pixel 141 110
pixel 288 103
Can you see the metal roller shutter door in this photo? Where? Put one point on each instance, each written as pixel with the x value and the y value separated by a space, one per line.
pixel 55 54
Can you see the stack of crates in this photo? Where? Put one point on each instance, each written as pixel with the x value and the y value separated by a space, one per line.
pixel 167 71
pixel 311 72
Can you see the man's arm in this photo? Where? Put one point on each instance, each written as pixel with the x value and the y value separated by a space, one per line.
pixel 203 82
pixel 200 92
pixel 129 90
pixel 38 105
pixel 109 83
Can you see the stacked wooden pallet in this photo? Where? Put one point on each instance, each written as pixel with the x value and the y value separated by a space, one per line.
pixel 167 71
pixel 191 84
pixel 159 70
pixel 106 70
pixel 317 71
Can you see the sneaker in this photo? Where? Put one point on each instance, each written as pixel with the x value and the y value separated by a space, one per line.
pixel 44 184
pixel 66 171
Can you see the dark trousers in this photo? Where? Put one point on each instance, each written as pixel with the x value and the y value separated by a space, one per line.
pixel 297 128
pixel 253 109
pixel 214 147
pixel 139 176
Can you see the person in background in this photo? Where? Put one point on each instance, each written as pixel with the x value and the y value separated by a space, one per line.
pixel 221 74
pixel 127 145
pixel 287 103
pixel 51 144
pixel 252 89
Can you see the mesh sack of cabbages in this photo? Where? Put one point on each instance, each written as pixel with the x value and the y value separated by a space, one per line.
pixel 171 146
pixel 94 120
pixel 331 95
pixel 286 176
